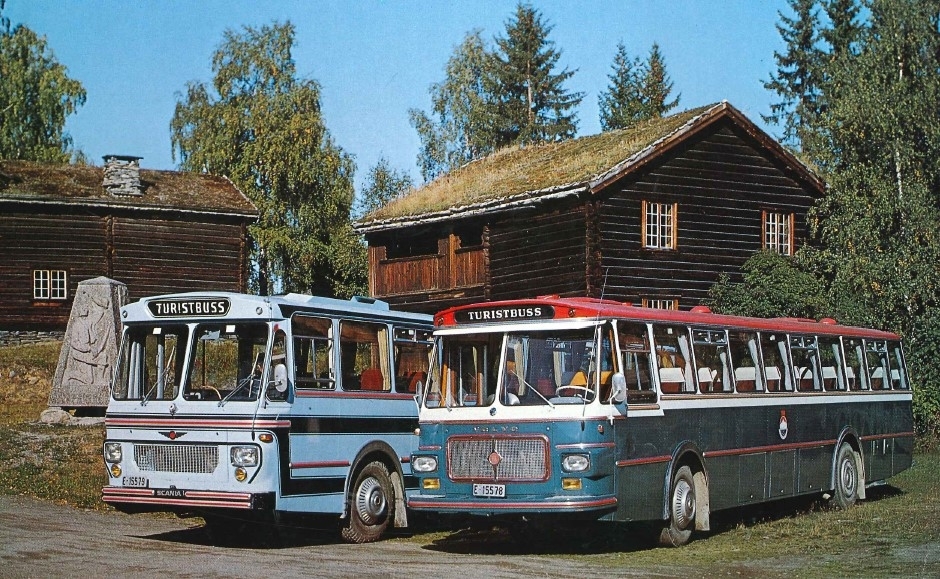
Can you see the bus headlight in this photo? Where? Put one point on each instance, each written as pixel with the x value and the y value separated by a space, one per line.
pixel 113 452
pixel 575 462
pixel 245 456
pixel 424 464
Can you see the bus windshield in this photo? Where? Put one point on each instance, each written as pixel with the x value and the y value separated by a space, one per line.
pixel 520 368
pixel 228 362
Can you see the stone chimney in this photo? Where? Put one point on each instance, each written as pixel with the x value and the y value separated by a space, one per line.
pixel 122 175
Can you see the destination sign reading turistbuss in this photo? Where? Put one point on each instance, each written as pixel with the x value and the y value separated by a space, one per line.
pixel 171 308
pixel 504 314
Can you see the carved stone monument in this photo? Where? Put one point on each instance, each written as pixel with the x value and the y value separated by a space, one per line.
pixel 89 350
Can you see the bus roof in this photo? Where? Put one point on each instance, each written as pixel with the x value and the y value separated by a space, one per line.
pixel 545 308
pixel 230 305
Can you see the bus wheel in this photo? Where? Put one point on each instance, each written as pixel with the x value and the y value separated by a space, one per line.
pixel 681 510
pixel 846 492
pixel 371 505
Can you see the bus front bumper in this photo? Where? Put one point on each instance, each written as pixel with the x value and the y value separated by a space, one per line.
pixel 181 500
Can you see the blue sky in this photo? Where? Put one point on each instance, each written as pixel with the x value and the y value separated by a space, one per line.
pixel 375 60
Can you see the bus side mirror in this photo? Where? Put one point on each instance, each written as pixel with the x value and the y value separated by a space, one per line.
pixel 419 390
pixel 280 378
pixel 618 388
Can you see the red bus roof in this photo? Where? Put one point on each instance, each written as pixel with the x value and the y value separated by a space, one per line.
pixel 545 308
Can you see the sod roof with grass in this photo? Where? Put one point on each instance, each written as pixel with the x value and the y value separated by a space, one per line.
pixel 523 175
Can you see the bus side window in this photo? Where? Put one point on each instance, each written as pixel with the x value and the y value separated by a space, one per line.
pixel 364 356
pixel 833 364
pixel 804 359
pixel 674 359
pixel 774 352
pixel 313 350
pixel 876 357
pixel 855 375
pixel 712 360
pixel 745 357
pixel 412 351
pixel 635 363
pixel 898 367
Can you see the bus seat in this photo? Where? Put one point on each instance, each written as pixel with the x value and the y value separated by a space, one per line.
pixel 706 379
pixel 671 380
pixel 830 380
pixel 578 378
pixel 545 386
pixel 744 378
pixel 804 378
pixel 877 379
pixel 414 379
pixel 773 378
pixel 372 379
pixel 850 378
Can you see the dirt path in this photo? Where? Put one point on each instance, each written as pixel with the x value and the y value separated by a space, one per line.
pixel 41 539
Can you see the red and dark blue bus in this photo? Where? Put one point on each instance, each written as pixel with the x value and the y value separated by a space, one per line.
pixel 578 407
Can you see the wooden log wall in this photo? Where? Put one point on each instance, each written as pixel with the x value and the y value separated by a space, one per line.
pixel 151 256
pixel 536 254
pixel 722 184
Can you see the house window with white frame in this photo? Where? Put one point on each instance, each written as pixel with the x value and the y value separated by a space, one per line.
pixel 778 232
pixel 659 225
pixel 50 284
pixel 661 303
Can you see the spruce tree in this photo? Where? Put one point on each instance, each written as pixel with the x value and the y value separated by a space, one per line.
pixel 621 105
pixel 529 103
pixel 798 76
pixel 655 87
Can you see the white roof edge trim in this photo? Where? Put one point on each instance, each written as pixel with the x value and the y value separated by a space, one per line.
pixel 529 327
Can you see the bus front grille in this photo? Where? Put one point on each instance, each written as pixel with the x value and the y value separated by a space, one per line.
pixel 516 458
pixel 176 458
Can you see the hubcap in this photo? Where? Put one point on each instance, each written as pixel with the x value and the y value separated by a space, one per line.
pixel 848 477
pixel 370 501
pixel 683 504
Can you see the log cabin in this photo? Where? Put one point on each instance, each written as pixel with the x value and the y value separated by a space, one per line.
pixel 650 215
pixel 155 231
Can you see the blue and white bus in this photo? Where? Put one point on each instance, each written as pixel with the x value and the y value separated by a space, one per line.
pixel 574 407
pixel 239 407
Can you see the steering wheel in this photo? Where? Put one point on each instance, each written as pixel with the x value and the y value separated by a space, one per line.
pixel 584 390
pixel 213 388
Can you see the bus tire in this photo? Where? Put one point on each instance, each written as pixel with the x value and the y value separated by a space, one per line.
pixel 845 493
pixel 371 504
pixel 682 507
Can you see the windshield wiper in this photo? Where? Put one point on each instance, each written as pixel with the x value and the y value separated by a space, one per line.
pixel 237 388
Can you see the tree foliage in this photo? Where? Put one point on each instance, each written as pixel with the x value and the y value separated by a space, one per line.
pixel 452 135
pixel 638 91
pixel 36 97
pixel 262 126
pixel 529 103
pixel 495 97
pixel 774 285
pixel 797 80
pixel 383 184
pixel 874 132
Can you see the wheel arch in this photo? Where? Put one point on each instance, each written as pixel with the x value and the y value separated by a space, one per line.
pixel 383 452
pixel 688 454
pixel 852 438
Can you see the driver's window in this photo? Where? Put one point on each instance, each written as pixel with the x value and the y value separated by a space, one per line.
pixel 277 390
pixel 635 363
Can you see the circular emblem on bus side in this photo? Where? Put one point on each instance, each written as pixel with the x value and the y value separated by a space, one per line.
pixel 784 429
